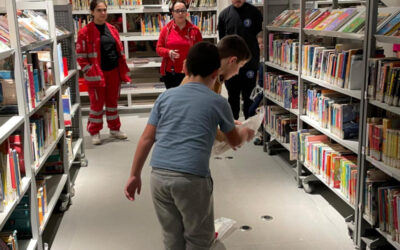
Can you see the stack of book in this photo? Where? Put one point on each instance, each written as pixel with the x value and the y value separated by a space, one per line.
pixel 282 88
pixel 284 52
pixel 10 181
pixel 8 95
pixel 44 130
pixel 279 123
pixel 383 142
pixel 384 80
pixel 205 21
pixel 203 3
pixel 333 111
pixel 41 198
pixel 336 165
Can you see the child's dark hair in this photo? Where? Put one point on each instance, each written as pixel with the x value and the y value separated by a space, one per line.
pixel 173 3
pixel 203 59
pixel 234 45
pixel 94 3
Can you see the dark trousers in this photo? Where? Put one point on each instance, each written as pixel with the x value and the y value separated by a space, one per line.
pixel 243 83
pixel 172 80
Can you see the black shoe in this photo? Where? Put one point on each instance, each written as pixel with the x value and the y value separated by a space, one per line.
pixel 258 142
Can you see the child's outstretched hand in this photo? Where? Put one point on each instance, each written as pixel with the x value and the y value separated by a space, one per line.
pixel 133 185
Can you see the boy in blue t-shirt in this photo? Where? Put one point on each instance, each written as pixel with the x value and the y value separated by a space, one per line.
pixel 182 125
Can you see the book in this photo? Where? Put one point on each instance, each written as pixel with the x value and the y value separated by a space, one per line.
pixel 391 26
pixel 341 19
pixel 354 24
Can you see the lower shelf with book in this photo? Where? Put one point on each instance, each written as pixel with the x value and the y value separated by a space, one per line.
pixel 48 151
pixel 25 183
pixel 335 190
pixel 388 237
pixel 350 144
pixel 275 66
pixel 392 172
pixel 54 185
pixel 269 97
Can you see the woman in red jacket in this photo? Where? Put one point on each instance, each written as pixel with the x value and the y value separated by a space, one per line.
pixel 173 45
pixel 101 56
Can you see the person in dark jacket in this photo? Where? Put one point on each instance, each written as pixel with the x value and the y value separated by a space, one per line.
pixel 245 20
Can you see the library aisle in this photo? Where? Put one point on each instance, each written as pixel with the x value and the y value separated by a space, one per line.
pixel 250 185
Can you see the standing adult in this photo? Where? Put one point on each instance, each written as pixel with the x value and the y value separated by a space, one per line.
pixel 245 20
pixel 101 56
pixel 173 45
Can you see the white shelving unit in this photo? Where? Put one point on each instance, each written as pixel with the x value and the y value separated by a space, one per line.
pixel 21 121
pixel 129 93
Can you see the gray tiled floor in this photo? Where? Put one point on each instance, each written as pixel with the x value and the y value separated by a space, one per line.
pixel 246 187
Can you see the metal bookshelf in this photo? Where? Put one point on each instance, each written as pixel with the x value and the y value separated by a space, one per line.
pixel 21 121
pixel 127 37
pixel 356 146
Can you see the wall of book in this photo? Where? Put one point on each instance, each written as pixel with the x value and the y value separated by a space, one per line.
pixel 34 152
pixel 140 23
pixel 347 129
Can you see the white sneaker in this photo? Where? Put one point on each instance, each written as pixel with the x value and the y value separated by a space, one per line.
pixel 118 134
pixel 96 140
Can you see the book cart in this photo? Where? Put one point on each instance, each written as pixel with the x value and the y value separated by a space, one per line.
pixel 145 65
pixel 374 198
pixel 38 192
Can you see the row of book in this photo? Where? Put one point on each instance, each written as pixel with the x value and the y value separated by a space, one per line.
pixel 348 20
pixel 279 123
pixel 384 80
pixel 337 65
pixel 33 27
pixel 12 170
pixel 284 52
pixel 44 130
pixel 205 21
pixel 282 88
pixel 126 4
pixel 336 165
pixel 151 24
pixel 382 203
pixel 41 198
pixel 333 111
pixel 383 140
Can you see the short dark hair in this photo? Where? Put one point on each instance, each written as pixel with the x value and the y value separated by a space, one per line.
pixel 202 59
pixel 94 3
pixel 234 45
pixel 173 3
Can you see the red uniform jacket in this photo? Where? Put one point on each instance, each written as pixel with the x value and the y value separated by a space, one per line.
pixel 172 38
pixel 89 58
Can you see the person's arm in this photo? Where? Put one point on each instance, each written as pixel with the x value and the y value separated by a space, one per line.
pixel 146 141
pixel 81 51
pixel 198 37
pixel 237 136
pixel 161 45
